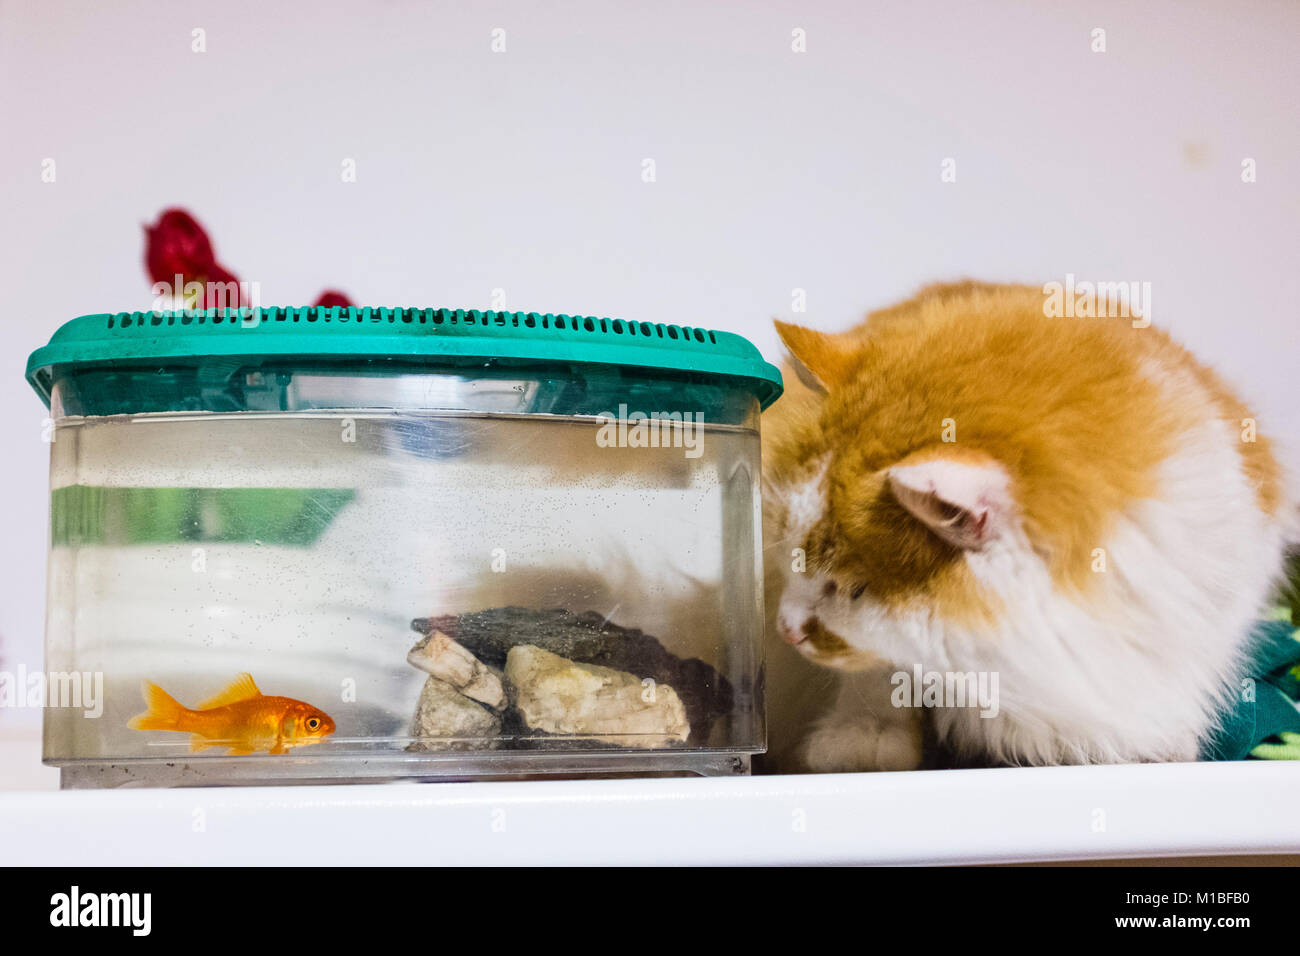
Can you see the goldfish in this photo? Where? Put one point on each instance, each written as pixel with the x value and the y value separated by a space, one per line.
pixel 241 717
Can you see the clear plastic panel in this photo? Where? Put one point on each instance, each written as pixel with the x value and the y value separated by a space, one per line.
pixel 461 590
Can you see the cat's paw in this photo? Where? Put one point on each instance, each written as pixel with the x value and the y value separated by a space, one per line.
pixel 857 747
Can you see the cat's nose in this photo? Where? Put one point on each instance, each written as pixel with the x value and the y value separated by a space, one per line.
pixel 791 635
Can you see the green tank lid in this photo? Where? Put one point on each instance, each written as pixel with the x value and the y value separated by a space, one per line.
pixel 435 338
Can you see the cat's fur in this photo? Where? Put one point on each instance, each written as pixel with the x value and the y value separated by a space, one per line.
pixel 1099 534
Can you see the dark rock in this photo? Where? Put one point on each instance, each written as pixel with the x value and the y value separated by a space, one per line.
pixel 590 639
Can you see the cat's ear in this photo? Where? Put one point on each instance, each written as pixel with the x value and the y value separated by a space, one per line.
pixel 966 503
pixel 821 361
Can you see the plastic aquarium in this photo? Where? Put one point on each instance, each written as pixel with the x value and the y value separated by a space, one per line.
pixel 440 544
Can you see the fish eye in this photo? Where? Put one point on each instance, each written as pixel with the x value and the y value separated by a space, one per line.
pixel 313 723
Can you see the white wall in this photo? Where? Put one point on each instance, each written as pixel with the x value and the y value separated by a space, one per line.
pixel 522 170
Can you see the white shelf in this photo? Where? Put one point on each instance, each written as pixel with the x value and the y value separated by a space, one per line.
pixel 967 816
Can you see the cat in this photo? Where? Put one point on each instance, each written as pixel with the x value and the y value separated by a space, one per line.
pixel 1075 507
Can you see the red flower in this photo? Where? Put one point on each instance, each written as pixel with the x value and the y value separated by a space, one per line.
pixel 222 290
pixel 177 245
pixel 330 298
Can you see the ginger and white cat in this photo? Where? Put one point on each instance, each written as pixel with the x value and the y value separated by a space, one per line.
pixel 963 484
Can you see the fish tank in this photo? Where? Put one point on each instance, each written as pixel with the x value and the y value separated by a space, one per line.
pixel 330 545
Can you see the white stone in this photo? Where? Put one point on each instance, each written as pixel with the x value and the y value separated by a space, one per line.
pixel 445 719
pixel 446 660
pixel 559 696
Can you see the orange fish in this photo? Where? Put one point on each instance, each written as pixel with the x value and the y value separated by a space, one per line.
pixel 241 717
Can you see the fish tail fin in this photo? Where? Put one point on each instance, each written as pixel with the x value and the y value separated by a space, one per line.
pixel 164 711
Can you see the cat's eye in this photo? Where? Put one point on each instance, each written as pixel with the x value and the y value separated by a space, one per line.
pixel 948 513
pixel 858 591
